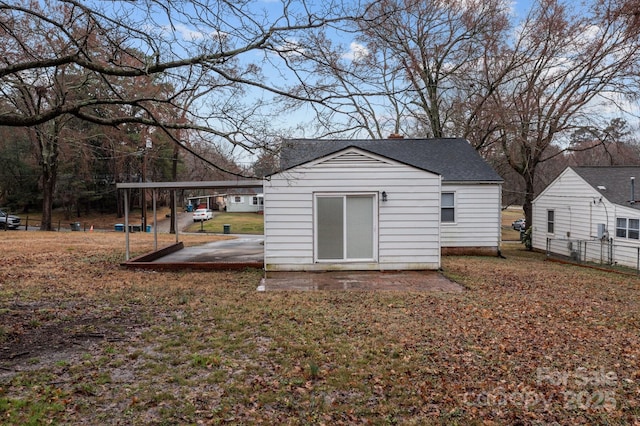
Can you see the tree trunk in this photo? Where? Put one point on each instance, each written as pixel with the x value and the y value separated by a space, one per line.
pixel 527 206
pixel 119 205
pixel 47 140
pixel 49 175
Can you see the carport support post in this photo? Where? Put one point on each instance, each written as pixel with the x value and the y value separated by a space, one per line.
pixel 126 223
pixel 155 219
pixel 175 213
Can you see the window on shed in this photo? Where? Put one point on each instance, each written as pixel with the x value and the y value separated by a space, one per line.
pixel 621 227
pixel 634 229
pixel 237 199
pixel 550 221
pixel 447 207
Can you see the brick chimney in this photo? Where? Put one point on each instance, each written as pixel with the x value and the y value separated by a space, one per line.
pixel 396 136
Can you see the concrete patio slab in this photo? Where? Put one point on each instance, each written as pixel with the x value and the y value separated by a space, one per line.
pixel 239 253
pixel 241 249
pixel 366 281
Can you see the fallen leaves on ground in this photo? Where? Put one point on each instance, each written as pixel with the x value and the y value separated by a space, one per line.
pixel 84 341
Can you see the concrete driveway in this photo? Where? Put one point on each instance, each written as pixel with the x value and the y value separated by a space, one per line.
pixel 184 219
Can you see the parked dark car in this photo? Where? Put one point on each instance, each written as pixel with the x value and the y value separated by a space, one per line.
pixel 8 221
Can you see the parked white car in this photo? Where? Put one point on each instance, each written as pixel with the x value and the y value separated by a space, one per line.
pixel 8 221
pixel 519 224
pixel 202 214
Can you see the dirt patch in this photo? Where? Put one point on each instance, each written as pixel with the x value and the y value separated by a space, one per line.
pixel 43 333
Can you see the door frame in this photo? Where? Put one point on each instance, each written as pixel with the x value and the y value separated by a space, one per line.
pixel 374 196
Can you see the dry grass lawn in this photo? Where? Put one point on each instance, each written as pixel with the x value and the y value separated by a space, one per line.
pixel 84 341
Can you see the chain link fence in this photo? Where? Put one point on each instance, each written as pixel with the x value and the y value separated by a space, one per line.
pixel 604 251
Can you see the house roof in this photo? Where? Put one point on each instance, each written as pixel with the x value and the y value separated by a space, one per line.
pixel 613 182
pixel 244 191
pixel 454 159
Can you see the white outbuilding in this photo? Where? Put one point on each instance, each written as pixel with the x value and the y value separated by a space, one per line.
pixel 245 200
pixel 379 205
pixel 590 214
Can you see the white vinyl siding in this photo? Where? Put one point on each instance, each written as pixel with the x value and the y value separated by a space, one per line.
pixel 244 203
pixel 578 210
pixel 477 216
pixel 576 216
pixel 408 222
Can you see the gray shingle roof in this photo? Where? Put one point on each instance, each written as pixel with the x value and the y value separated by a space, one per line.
pixel 454 159
pixel 613 182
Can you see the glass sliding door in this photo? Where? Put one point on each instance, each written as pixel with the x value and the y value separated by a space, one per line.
pixel 330 227
pixel 345 227
pixel 359 232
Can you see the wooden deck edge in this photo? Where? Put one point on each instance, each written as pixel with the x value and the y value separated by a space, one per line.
pixel 195 266
pixel 154 255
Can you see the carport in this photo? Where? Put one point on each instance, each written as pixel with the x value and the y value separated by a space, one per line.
pixel 173 187
pixel 273 281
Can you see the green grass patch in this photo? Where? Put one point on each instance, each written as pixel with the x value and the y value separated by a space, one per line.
pixel 240 223
pixel 39 407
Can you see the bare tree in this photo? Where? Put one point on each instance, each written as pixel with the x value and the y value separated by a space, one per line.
pixel 122 63
pixel 515 90
pixel 610 146
pixel 412 68
pixel 179 42
pixel 562 70
pixel 438 46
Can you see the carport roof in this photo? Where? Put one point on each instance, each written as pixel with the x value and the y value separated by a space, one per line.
pixel 243 183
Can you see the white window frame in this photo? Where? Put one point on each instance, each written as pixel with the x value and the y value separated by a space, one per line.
pixel 374 196
pixel 452 207
pixel 237 199
pixel 551 224
pixel 257 201
pixel 627 231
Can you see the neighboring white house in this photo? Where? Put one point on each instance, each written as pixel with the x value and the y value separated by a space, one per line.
pixel 212 201
pixel 379 204
pixel 590 214
pixel 245 200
